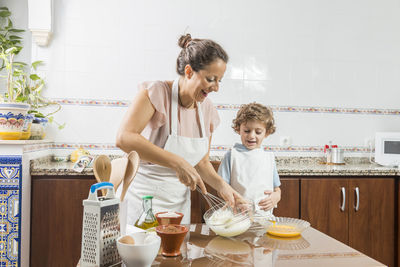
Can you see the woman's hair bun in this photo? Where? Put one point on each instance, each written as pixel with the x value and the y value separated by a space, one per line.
pixel 184 40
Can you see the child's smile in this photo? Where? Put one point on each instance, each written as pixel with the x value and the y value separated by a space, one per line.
pixel 252 133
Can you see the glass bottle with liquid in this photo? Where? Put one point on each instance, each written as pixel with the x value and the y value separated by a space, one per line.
pixel 147 219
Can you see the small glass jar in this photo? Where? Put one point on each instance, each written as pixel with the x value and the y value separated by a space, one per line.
pixel 147 219
pixel 26 128
pixel 44 122
pixel 37 129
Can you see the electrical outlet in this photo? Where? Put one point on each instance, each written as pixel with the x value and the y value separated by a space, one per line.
pixel 285 141
pixel 369 142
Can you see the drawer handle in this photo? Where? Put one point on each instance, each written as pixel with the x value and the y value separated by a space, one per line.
pixel 357 207
pixel 344 199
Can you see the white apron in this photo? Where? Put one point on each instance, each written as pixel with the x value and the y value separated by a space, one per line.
pixel 252 174
pixel 169 194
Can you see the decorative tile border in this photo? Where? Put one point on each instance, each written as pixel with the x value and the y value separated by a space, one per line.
pixel 95 146
pixel 92 102
pixel 298 109
pixel 306 109
pixel 297 149
pixel 111 146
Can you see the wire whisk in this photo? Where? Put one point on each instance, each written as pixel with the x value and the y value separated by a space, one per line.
pixel 211 200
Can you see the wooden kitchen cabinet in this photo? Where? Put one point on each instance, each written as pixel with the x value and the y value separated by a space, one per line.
pixel 56 213
pixel 372 226
pixel 289 205
pixel 321 201
pixel 330 205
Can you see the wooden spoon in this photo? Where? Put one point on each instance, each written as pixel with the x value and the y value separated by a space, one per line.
pixel 118 170
pixel 131 169
pixel 102 169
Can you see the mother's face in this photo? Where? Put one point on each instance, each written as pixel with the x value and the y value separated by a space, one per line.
pixel 204 81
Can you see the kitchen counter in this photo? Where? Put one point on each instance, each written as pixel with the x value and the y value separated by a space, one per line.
pixel 202 247
pixel 287 166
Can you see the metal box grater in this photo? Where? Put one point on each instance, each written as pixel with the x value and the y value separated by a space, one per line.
pixel 100 228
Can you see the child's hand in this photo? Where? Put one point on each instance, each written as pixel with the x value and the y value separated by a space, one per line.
pixel 270 201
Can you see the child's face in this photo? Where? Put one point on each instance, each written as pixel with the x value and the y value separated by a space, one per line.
pixel 252 133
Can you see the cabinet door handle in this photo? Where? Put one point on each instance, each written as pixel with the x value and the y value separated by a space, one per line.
pixel 344 199
pixel 357 190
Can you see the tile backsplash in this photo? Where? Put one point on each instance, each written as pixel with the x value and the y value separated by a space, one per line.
pixel 329 69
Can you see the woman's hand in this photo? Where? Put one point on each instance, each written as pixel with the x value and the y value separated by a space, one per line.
pixel 229 195
pixel 188 176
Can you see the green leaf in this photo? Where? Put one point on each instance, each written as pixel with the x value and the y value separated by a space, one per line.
pixel 11 50
pixel 14 37
pixel 4 8
pixel 36 63
pixel 39 115
pixel 51 119
pixel 60 127
pixel 20 99
pixel 34 77
pixel 10 24
pixel 20 64
pixel 16 30
pixel 5 13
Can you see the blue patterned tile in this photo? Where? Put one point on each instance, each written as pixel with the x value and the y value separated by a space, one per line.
pixel 10 206
pixel 10 172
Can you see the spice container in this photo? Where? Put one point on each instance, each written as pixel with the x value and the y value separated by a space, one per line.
pixel 337 156
pixel 328 154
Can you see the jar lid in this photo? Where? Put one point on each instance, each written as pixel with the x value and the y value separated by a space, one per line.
pixel 147 197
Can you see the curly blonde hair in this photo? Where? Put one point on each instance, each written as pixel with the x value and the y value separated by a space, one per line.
pixel 255 112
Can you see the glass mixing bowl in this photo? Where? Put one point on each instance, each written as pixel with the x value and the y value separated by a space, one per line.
pixel 227 221
pixel 284 226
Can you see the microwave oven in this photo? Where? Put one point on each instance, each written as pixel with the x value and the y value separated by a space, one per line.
pixel 387 148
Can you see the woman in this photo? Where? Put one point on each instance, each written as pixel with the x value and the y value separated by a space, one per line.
pixel 170 125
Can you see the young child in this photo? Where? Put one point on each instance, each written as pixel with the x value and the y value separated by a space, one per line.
pixel 249 169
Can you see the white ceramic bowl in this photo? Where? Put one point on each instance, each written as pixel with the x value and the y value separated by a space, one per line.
pixel 143 252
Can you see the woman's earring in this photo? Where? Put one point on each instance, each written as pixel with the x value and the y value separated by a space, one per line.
pixel 188 71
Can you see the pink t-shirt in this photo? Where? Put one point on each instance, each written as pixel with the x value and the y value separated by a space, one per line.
pixel 158 128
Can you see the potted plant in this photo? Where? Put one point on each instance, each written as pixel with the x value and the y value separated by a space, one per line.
pixel 30 86
pixel 12 113
pixel 24 87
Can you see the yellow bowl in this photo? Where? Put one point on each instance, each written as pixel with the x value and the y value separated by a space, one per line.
pixel 10 135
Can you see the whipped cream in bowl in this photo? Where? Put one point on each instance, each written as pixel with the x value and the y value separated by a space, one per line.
pixel 228 222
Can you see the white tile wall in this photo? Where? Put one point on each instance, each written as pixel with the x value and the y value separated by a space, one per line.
pixel 282 53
